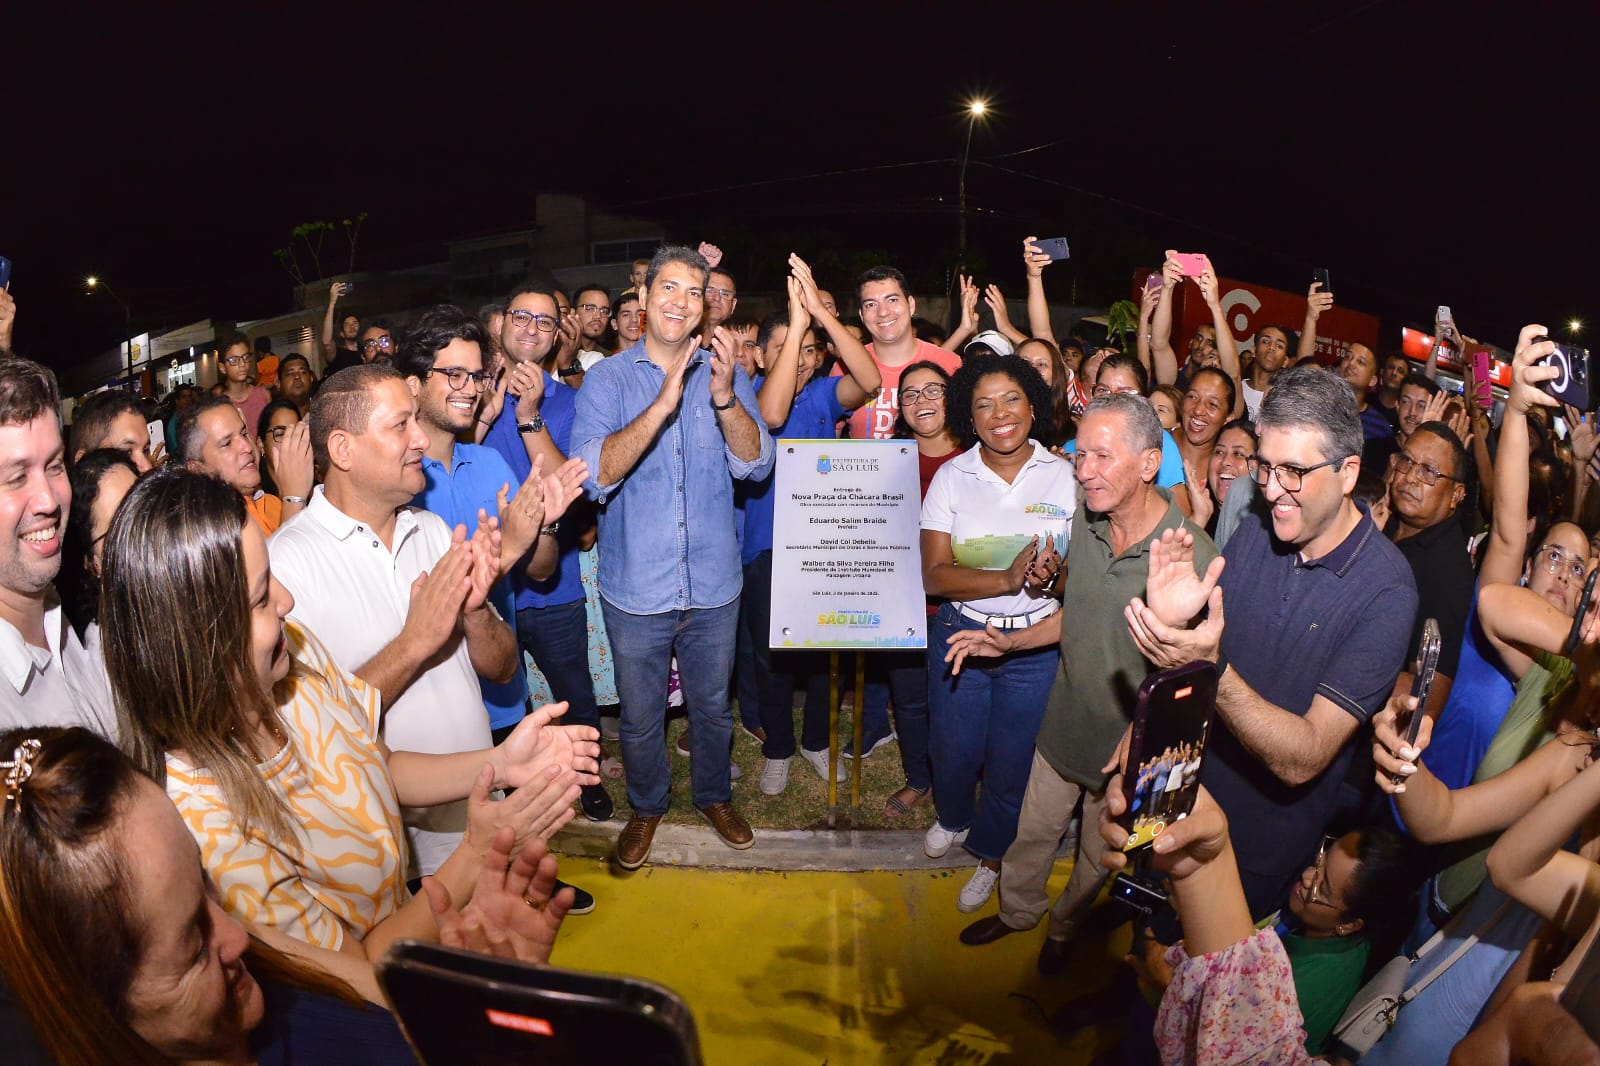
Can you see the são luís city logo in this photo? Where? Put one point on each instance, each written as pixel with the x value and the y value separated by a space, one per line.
pixel 846 464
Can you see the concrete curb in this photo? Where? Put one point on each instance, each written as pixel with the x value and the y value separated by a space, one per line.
pixel 844 850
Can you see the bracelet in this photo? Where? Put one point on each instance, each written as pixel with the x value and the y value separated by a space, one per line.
pixel 293 499
pixel 550 530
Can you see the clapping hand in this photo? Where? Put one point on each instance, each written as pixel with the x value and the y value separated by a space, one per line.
pixel 1172 589
pixel 515 911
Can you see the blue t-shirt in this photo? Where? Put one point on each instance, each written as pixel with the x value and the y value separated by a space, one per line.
pixel 300 1028
pixel 1480 695
pixel 814 416
pixel 476 474
pixel 1171 473
pixel 557 408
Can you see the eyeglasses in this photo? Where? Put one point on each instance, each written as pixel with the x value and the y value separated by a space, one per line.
pixel 590 309
pixel 1322 888
pixel 927 392
pixel 235 360
pixel 524 319
pixel 1404 464
pixel 459 376
pixel 721 294
pixel 1555 559
pixel 1290 478
pixel 384 342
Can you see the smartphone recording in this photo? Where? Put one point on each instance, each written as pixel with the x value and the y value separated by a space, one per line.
pixel 1171 724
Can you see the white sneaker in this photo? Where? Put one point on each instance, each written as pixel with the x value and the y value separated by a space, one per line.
pixel 940 840
pixel 819 763
pixel 775 777
pixel 734 773
pixel 978 889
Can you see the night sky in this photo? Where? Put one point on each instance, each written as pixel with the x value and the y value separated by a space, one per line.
pixel 1425 152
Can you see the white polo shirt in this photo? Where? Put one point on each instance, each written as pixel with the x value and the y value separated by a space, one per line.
pixel 353 594
pixel 62 684
pixel 989 521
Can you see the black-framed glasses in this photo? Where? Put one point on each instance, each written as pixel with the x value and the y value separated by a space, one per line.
pixel 1404 464
pixel 1290 478
pixel 385 342
pixel 590 309
pixel 1556 559
pixel 459 376
pixel 524 319
pixel 927 392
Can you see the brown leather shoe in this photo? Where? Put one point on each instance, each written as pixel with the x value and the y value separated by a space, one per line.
pixel 633 843
pixel 729 824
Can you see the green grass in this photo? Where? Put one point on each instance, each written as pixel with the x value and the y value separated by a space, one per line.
pixel 804 804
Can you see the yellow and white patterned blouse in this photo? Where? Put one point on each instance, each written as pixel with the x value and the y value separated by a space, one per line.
pixel 346 871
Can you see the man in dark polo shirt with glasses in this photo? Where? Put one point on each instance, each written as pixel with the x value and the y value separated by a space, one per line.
pixel 1309 623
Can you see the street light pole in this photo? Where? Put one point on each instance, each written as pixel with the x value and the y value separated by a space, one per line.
pixel 93 284
pixel 975 111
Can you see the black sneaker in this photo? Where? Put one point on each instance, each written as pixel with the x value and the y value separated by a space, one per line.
pixel 596 803
pixel 583 903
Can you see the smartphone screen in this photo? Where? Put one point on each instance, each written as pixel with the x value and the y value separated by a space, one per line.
pixel 1171 723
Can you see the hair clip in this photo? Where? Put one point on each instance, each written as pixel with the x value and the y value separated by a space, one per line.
pixel 19 769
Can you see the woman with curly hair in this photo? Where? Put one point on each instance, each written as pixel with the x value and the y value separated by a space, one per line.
pixel 994 524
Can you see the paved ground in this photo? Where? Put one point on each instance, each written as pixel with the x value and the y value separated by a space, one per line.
pixel 836 968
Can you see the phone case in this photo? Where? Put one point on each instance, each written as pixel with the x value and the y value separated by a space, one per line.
pixel 1056 248
pixel 458 1007
pixel 1193 264
pixel 1152 802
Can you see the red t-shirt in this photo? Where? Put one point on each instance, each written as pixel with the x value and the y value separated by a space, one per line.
pixel 874 419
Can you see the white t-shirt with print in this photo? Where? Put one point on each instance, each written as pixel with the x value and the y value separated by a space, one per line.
pixel 989 521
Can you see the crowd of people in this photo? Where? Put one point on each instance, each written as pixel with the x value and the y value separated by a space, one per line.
pixel 289 642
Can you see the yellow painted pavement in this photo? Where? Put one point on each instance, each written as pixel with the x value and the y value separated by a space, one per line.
pixel 835 968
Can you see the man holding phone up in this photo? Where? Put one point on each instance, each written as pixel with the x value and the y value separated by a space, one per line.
pixel 1120 512
pixel 1321 606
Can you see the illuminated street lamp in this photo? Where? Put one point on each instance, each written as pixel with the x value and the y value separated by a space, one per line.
pixel 1574 326
pixel 976 109
pixel 93 284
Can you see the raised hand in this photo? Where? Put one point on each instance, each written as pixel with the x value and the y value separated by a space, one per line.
pixel 713 254
pixel 1394 757
pixel 525 381
pixel 1172 590
pixel 1045 566
pixel 1187 845
pixel 1201 505
pixel 485 547
pixel 563 487
pixel 724 358
pixel 671 394
pixel 969 303
pixel 1034 258
pixel 1317 301
pixel 1582 435
pixel 1527 374
pixel 437 595
pixel 293 466
pixel 522 516
pixel 1209 289
pixel 810 301
pixel 1017 572
pixel 997 307
pixel 1169 646
pixel 515 911
pixel 568 339
pixel 1171 270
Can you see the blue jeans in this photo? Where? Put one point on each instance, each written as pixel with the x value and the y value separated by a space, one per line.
pixel 763 678
pixel 643 645
pixel 558 639
pixel 983 721
pixel 902 673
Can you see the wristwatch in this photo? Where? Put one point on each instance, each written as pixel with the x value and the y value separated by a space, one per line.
pixel 715 406
pixel 532 425
pixel 569 371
